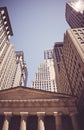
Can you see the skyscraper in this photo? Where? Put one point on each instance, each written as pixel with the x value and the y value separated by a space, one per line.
pixel 57 58
pixel 45 76
pixel 72 58
pixel 8 58
pixel 72 64
pixel 20 77
pixel 75 13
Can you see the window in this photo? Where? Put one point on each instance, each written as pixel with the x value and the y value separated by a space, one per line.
pixel 83 76
pixel 82 42
pixel 79 38
pixel 79 65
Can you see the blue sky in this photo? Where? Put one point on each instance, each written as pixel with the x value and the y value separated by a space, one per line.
pixel 37 25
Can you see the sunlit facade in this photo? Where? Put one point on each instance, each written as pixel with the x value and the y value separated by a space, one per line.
pixel 72 63
pixel 45 76
pixel 8 55
pixel 75 13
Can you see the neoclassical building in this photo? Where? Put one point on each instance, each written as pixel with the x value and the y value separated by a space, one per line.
pixel 24 108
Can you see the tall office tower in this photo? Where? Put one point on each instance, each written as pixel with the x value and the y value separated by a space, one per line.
pixel 20 77
pixel 57 58
pixel 8 60
pixel 75 13
pixel 72 66
pixel 45 76
pixel 7 54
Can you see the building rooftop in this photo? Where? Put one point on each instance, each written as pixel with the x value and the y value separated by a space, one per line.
pixel 78 5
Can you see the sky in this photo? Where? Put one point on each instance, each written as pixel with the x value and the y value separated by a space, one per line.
pixel 36 25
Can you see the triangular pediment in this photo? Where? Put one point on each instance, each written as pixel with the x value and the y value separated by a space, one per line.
pixel 25 93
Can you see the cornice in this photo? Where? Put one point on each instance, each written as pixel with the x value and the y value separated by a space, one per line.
pixel 37 103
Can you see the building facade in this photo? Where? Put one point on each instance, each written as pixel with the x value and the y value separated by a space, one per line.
pixel 7 53
pixel 45 76
pixel 24 108
pixel 57 52
pixel 72 65
pixel 20 77
pixel 8 58
pixel 48 54
pixel 75 13
pixel 71 74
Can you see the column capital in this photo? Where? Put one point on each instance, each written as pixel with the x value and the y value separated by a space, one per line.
pixel 8 115
pixel 73 113
pixel 7 120
pixel 41 120
pixel 24 113
pixel 40 113
pixel 58 120
pixel 23 120
pixel 57 113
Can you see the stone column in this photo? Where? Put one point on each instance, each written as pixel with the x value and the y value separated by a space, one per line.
pixel 23 120
pixel 58 121
pixel 41 125
pixel 6 121
pixel 74 120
